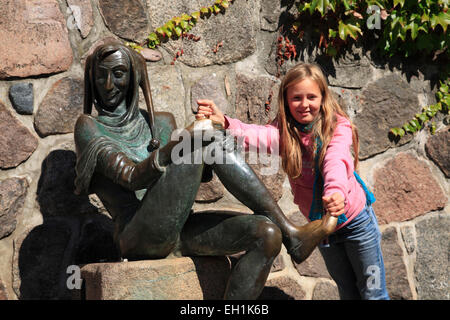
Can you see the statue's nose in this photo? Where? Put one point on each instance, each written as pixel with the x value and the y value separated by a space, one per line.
pixel 109 82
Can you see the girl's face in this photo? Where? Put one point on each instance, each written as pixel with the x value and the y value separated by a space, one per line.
pixel 304 99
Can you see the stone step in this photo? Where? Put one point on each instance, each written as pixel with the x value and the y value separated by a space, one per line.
pixel 197 278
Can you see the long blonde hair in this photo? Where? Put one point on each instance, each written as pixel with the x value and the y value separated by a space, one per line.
pixel 323 127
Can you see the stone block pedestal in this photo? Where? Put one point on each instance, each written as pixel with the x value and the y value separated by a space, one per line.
pixel 199 278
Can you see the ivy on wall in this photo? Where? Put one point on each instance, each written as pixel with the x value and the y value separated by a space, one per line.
pixel 179 27
pixel 406 28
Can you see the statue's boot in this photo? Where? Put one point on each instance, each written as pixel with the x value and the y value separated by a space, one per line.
pixel 302 240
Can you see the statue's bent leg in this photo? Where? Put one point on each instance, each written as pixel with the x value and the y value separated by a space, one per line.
pixel 224 233
pixel 154 230
pixel 239 178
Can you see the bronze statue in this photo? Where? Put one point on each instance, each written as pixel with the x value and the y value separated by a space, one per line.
pixel 124 156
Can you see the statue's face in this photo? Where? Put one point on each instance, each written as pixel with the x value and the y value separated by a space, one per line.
pixel 112 79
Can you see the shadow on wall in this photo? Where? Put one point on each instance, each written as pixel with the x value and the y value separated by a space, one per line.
pixel 73 232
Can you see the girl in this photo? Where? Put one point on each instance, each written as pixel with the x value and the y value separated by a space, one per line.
pixel 315 137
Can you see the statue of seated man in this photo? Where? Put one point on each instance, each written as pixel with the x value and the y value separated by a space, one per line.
pixel 150 198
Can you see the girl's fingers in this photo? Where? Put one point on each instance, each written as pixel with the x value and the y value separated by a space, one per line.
pixel 205 109
pixel 332 205
pixel 203 112
pixel 335 199
pixel 205 102
pixel 337 213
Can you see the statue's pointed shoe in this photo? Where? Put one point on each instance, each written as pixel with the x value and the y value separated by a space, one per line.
pixel 309 237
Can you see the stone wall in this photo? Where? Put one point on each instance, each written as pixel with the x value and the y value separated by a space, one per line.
pixel 44 227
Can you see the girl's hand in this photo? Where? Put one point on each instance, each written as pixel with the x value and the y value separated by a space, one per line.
pixel 207 109
pixel 334 204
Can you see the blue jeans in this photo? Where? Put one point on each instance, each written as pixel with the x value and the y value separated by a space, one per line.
pixel 354 259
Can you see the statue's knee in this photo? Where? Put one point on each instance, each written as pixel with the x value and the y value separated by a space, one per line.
pixel 271 238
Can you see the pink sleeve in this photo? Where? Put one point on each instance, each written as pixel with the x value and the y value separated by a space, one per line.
pixel 338 162
pixel 258 138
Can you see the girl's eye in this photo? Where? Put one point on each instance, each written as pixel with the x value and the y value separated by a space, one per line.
pixel 312 97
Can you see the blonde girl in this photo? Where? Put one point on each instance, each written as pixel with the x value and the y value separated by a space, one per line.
pixel 316 139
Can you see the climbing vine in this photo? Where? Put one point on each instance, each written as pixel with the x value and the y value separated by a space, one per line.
pixel 179 27
pixel 407 28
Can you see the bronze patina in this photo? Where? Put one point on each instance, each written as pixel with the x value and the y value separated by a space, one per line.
pixel 124 157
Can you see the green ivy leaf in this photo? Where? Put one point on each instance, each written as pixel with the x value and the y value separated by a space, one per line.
pixel 415 124
pixel 159 31
pixel 442 19
pixel 408 128
pixel 425 18
pixel 167 31
pixel 401 2
pixel 414 27
pixel 176 21
pixel 346 5
pixel 152 36
pixel 169 25
pixel 422 117
pixel 332 33
pixel 302 7
pixel 321 6
pixel 348 30
pixel 433 128
pixel 178 31
pixel 398 132
pixel 216 9
pixel 394 131
pixel 401 33
pixel 186 17
pixel 184 24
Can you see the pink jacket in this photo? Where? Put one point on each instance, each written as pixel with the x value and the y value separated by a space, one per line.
pixel 338 165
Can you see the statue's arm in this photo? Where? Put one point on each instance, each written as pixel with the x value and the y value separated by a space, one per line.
pixel 133 176
pixel 116 165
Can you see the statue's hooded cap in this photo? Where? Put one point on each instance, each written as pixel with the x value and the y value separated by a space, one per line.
pixel 125 130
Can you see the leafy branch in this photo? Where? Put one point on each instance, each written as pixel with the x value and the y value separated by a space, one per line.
pixel 179 26
pixel 427 113
pixel 410 28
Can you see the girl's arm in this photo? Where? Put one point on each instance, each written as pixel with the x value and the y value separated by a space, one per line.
pixel 338 168
pixel 254 137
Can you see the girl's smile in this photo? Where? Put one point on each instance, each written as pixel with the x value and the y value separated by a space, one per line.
pixel 304 99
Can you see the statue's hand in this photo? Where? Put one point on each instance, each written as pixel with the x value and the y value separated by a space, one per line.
pixel 153 145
